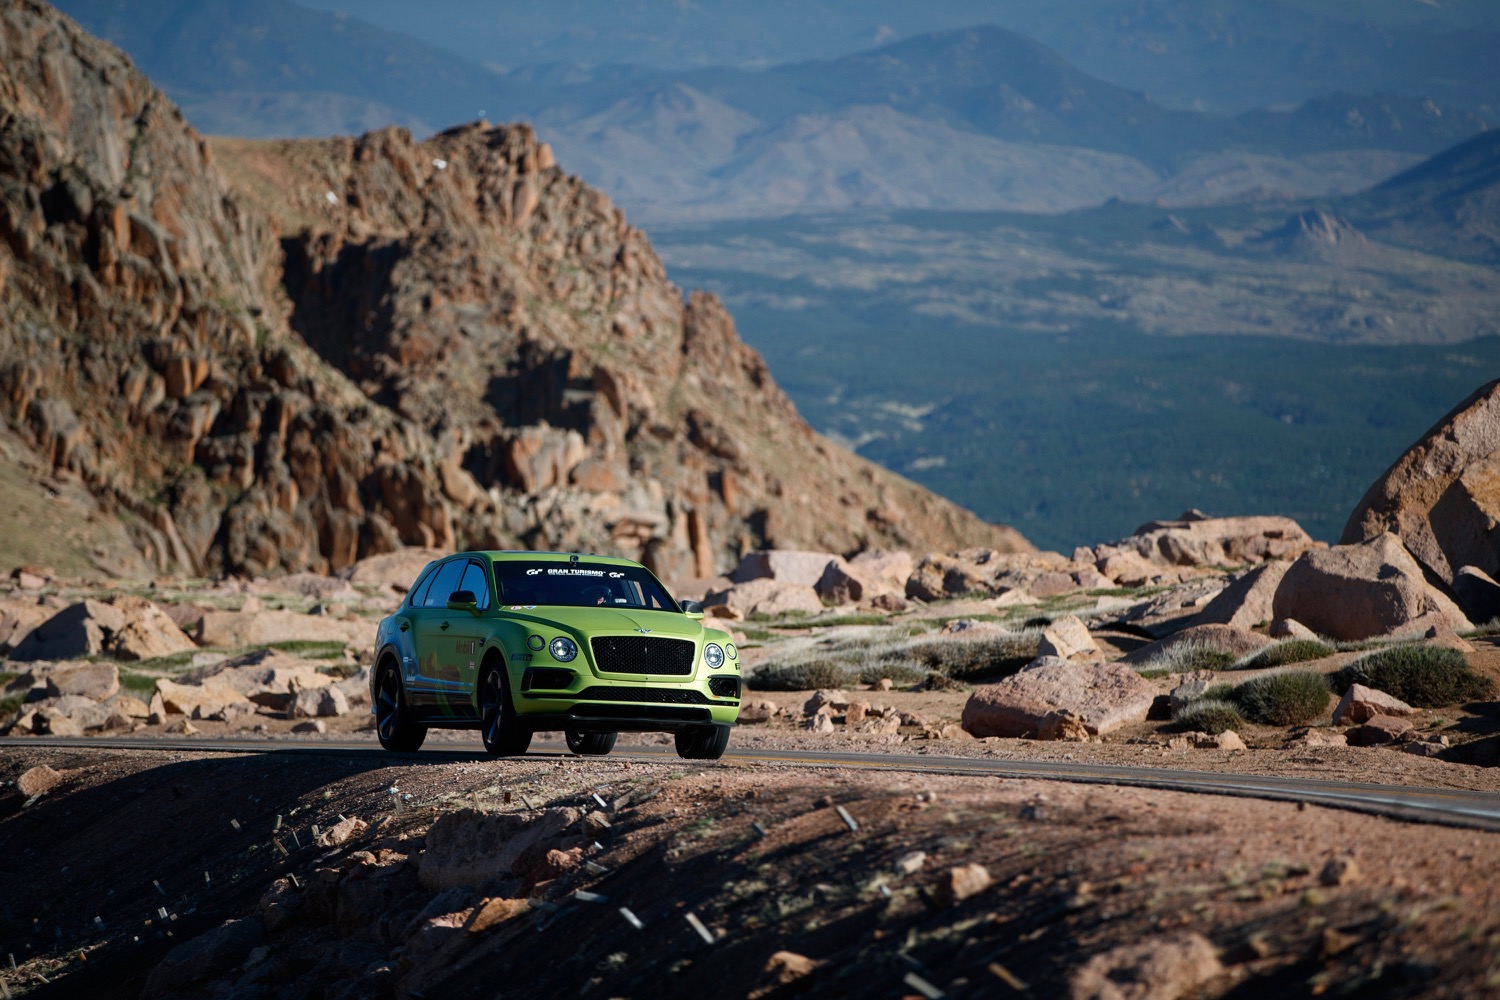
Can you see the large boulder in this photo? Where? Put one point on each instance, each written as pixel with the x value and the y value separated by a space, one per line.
pixel 987 572
pixel 1196 540
pixel 1442 497
pixel 469 848
pixel 95 681
pixel 1246 602
pixel 265 677
pixel 767 597
pixel 74 633
pixel 1104 696
pixel 18 616
pixel 1477 593
pixel 1373 588
pixel 232 629
pixel 198 701
pixel 784 565
pixel 148 632
pixel 395 571
pixel 1067 637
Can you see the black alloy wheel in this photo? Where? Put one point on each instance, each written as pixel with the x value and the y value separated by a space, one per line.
pixel 393 721
pixel 503 733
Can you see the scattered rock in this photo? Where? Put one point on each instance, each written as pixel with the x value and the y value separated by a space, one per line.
pixel 204 957
pixel 38 780
pixel 1291 628
pixel 1315 737
pixel 782 969
pixel 1159 969
pixel 835 700
pixel 1426 748
pixel 1067 637
pixel 757 712
pixel 469 848
pixel 1477 593
pixel 1374 588
pixel 959 883
pixel 95 681
pixel 182 727
pixel 911 862
pixel 1103 695
pixel 819 725
pixel 1379 730
pixel 74 633
pixel 1063 725
pixel 344 831
pixel 1341 870
pixel 1197 540
pixel 1227 740
pixel 1246 602
pixel 320 702
pixel 196 701
pixel 1361 704
pixel 785 566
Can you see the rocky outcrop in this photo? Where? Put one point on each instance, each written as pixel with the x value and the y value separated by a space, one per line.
pixel 1442 497
pixel 1246 602
pixel 1103 696
pixel 1374 588
pixel 288 356
pixel 1195 541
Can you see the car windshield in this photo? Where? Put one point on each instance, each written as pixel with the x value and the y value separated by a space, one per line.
pixel 579 585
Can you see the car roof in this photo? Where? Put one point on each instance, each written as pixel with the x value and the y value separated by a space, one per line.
pixel 514 555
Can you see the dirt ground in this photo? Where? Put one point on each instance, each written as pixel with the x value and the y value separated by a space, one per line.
pixel 1148 893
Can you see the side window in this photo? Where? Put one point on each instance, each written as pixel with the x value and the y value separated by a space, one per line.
pixel 474 582
pixel 418 592
pixel 443 584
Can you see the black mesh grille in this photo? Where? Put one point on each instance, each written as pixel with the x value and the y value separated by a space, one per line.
pixel 628 714
pixel 643 654
pixel 654 695
pixel 725 687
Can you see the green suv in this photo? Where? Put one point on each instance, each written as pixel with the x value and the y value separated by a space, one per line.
pixel 514 643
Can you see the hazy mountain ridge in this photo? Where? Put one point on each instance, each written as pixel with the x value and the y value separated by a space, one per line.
pixel 724 142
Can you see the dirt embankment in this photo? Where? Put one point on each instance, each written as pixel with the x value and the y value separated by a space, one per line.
pixel 511 875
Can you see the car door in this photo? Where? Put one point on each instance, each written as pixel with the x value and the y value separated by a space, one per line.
pixel 432 623
pixel 459 669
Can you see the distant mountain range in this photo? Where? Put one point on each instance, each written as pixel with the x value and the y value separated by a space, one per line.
pixel 978 118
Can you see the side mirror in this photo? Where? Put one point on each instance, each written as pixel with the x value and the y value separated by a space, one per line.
pixel 691 608
pixel 462 600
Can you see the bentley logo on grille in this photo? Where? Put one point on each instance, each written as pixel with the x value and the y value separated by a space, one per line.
pixel 644 631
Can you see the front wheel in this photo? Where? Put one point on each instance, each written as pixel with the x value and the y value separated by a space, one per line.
pixel 393 720
pixel 702 742
pixel 590 744
pixel 503 734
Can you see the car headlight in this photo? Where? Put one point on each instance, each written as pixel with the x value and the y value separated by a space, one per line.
pixel 713 656
pixel 562 649
pixel 729 650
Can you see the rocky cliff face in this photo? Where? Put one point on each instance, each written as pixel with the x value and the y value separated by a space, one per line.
pixel 289 355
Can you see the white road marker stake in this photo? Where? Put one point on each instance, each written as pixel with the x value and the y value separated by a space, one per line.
pixel 849 821
pixel 158 887
pixel 600 799
pixel 697 925
pixel 923 987
pixel 234 823
pixel 631 918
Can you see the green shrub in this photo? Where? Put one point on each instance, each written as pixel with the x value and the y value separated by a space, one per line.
pixel 1037 621
pixel 805 676
pixel 1291 651
pixel 1421 675
pixel 1288 699
pixel 1208 715
pixel 1188 657
pixel 988 655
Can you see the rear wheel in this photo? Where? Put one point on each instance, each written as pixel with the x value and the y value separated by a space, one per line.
pixel 504 735
pixel 590 744
pixel 393 719
pixel 702 742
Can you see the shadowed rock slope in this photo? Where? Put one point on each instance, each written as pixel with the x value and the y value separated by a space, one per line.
pixel 317 351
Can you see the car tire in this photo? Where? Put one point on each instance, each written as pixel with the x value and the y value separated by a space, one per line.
pixel 702 742
pixel 590 744
pixel 394 725
pixel 503 733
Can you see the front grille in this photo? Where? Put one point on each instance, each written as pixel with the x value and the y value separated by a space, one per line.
pixel 643 654
pixel 724 687
pixel 654 695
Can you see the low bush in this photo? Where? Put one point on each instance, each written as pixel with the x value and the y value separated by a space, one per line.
pixel 1208 715
pixel 805 676
pixel 1420 675
pixel 1288 699
pixel 1290 651
pixel 1188 657
pixel 899 674
pixel 969 659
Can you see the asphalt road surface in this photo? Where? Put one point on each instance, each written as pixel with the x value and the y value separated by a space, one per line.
pixel 1450 807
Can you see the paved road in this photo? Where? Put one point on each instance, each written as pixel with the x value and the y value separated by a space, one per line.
pixel 1450 807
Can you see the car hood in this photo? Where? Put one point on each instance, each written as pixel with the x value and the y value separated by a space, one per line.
pixel 609 621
